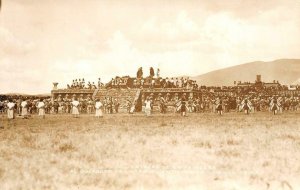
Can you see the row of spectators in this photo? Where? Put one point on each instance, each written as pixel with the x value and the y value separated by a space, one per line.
pixel 110 105
pixel 149 82
pixel 206 103
pixel 228 103
pixel 81 84
pixel 166 83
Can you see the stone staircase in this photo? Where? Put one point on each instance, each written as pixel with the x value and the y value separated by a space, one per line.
pixel 135 101
pixel 121 94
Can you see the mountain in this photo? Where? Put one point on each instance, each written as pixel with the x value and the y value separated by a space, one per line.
pixel 286 71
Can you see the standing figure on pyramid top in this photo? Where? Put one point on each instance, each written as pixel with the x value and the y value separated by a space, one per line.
pixel 151 72
pixel 139 73
pixel 157 73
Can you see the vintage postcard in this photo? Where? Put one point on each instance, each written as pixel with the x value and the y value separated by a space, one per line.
pixel 150 94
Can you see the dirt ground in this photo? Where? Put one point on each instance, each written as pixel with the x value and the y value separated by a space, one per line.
pixel 120 151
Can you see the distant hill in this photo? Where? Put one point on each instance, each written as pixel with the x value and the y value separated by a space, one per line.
pixel 286 71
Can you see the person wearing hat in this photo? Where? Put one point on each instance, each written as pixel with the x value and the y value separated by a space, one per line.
pixel 41 107
pixel 10 110
pixel 148 106
pixel 98 106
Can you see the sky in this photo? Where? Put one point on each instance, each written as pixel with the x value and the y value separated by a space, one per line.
pixel 45 41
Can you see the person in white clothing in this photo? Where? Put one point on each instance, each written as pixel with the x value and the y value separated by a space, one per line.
pixel 24 106
pixel 148 106
pixel 98 106
pixel 41 107
pixel 75 105
pixel 10 110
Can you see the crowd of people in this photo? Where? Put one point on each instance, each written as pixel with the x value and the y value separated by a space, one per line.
pixel 183 104
pixel 173 82
pixel 223 104
pixel 81 84
pixel 139 82
pixel 25 107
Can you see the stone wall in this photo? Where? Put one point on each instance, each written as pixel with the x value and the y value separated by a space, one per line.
pixel 121 94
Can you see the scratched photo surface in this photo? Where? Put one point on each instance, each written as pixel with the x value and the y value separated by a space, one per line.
pixel 160 94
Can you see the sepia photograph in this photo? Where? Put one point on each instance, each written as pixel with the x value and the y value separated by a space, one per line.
pixel 150 94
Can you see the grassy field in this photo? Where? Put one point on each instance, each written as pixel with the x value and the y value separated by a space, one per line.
pixel 201 151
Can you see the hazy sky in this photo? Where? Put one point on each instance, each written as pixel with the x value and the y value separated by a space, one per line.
pixel 42 41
